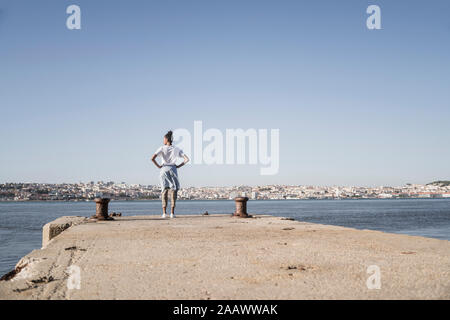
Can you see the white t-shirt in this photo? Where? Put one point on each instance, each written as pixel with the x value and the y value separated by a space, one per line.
pixel 169 154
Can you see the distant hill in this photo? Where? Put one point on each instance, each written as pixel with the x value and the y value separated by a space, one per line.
pixel 442 183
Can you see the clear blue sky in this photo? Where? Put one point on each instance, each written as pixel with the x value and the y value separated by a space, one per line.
pixel 354 106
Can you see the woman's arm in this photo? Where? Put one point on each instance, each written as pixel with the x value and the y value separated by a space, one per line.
pixel 186 160
pixel 154 161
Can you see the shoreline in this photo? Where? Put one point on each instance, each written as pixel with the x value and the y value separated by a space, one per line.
pixel 220 257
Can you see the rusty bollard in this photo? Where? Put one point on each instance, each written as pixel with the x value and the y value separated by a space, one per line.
pixel 241 207
pixel 102 209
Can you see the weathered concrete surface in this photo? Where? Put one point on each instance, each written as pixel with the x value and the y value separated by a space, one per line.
pixel 54 228
pixel 219 257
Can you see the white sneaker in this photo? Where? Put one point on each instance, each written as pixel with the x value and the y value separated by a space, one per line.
pixel 163 215
pixel 172 216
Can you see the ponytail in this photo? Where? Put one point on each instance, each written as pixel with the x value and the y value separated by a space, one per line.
pixel 169 136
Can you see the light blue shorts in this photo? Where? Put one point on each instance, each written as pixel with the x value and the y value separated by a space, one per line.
pixel 168 177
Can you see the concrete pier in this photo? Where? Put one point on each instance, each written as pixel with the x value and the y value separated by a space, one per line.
pixel 224 257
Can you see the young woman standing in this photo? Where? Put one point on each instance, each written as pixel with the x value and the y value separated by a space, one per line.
pixel 168 171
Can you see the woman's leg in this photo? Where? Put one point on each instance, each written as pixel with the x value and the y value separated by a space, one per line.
pixel 173 200
pixel 163 177
pixel 164 198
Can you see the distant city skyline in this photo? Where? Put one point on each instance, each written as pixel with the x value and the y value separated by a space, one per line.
pixel 445 182
pixel 354 107
pixel 123 191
